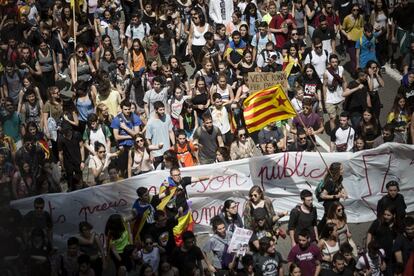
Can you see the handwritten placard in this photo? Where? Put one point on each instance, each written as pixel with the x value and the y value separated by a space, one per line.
pixel 262 80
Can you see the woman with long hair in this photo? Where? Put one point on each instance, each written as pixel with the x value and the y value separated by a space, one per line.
pixel 103 115
pixel 352 29
pixel 188 119
pixel 312 86
pixel 178 71
pixel 360 144
pixel 196 39
pixel 222 155
pixel 375 82
pixel 166 42
pixel 84 103
pixel 49 66
pixel 399 116
pixel 247 64
pixel 332 190
pixel 379 19
pixel 80 64
pixel 245 34
pixel 328 244
pixel 107 61
pixel 52 115
pixel 99 164
pixel 104 45
pixel 230 215
pixel 28 83
pixel 136 58
pixel 243 146
pixel 207 72
pixel 369 129
pixel 257 200
pixel 252 17
pixel 337 215
pixel 140 158
pixel 292 66
pixel 152 70
pixel 200 96
pixel 23 182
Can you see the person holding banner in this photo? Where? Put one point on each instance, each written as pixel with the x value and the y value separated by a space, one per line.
pixel 175 200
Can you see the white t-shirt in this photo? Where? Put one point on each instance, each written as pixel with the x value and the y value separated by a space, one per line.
pixel 334 97
pixel 374 265
pixel 319 62
pixel 139 31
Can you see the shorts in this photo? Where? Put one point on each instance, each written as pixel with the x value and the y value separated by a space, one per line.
pixel 334 110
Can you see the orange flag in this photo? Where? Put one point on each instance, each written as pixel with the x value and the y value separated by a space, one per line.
pixel 267 106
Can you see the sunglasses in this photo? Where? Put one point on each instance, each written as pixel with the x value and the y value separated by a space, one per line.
pixel 254 195
pixel 80 52
pixel 242 134
pixel 140 140
pixel 318 47
pixel 355 9
pixel 302 138
pixel 294 33
pixel 121 64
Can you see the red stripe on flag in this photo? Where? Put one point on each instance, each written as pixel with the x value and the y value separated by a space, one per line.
pixel 256 104
pixel 264 93
pixel 258 112
pixel 264 119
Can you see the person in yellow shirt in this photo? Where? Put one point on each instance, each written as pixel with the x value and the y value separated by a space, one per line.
pixel 352 29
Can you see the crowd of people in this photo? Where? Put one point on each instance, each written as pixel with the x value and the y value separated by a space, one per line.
pixel 105 90
pixel 161 240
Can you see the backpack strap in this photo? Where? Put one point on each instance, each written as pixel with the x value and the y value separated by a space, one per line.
pixel 366 262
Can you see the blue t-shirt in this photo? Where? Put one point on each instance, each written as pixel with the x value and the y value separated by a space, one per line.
pixel 367 50
pixel 132 122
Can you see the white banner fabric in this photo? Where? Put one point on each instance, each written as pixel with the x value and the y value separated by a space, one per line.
pixel 282 175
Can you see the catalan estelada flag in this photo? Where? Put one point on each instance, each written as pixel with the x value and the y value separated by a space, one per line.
pixel 267 106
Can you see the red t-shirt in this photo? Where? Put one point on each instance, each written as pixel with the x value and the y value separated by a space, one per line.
pixel 276 23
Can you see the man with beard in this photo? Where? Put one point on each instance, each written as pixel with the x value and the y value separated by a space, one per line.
pixel 218 245
pixel 160 131
pixel 302 143
pixel 393 197
pixel 12 82
pixel 208 139
pixel 32 153
pixel 306 255
pixel 342 138
pixel 27 64
pixel 268 261
pixel 338 267
pixel 303 217
pixel 387 136
pixel 365 46
pixel 403 247
pixel 325 34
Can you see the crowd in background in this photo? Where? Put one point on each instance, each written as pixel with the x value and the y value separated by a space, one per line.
pixel 104 90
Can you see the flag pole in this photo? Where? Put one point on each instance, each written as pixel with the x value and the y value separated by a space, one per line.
pixel 74 38
pixel 313 142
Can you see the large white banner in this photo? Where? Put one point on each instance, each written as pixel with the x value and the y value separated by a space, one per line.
pixel 282 176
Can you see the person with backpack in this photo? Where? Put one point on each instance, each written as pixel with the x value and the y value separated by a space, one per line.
pixel 261 38
pixel 136 29
pixel 12 82
pixel 338 267
pixel 372 262
pixel 269 59
pixel 318 57
pixel 185 149
pixel 330 189
pixel 218 244
pixel 303 217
